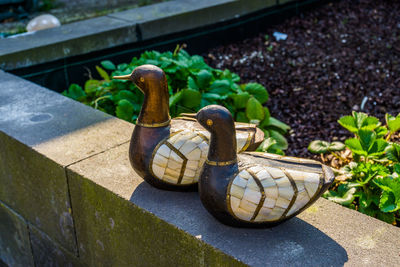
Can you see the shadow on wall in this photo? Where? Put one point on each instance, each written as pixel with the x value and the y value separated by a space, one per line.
pixel 293 243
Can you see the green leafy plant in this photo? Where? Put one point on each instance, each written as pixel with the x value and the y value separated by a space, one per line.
pixel 372 183
pixel 192 85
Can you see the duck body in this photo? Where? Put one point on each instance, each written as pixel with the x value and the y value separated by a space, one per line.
pixel 169 154
pixel 171 157
pixel 254 189
pixel 262 189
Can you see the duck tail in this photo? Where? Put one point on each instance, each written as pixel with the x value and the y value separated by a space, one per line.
pixel 329 177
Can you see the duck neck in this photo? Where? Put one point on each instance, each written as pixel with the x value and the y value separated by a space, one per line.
pixel 223 144
pixel 155 108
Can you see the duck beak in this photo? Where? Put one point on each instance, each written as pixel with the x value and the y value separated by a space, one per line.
pixel 122 77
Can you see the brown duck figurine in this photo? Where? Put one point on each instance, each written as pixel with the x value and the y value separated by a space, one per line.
pixel 167 153
pixel 254 189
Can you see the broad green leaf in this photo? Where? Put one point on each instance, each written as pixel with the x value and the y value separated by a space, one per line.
pixel 240 100
pixel 370 123
pixel 197 62
pixel 204 78
pixel 108 65
pixel 348 123
pixel 265 122
pixel 211 96
pixel 75 92
pixel 281 141
pixel 124 110
pixel 175 98
pixel 355 146
pixel 103 74
pixel 359 118
pixel 388 202
pixel 390 198
pixel 221 87
pixel 191 84
pixel 381 131
pixel 358 121
pixel 267 144
pixel 190 98
pixel 125 94
pixel 278 124
pixel 344 200
pixel 378 148
pixel 392 122
pixel 241 117
pixel 396 169
pixel 363 199
pixel 275 150
pixel 336 146
pixel 318 147
pixel 122 66
pixel 367 138
pixel 91 86
pixel 254 109
pixel 393 152
pixel 258 91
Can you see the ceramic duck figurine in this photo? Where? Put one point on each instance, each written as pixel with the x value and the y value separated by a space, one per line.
pixel 254 189
pixel 167 153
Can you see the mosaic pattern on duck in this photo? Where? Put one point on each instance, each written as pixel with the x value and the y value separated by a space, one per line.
pixel 179 159
pixel 244 132
pixel 267 194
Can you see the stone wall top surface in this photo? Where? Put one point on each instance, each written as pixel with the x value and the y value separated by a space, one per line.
pixel 58 127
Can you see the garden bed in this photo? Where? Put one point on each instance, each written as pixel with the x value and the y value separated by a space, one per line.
pixel 333 58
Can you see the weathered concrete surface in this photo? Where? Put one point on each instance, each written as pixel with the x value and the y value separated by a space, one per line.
pixel 104 189
pixel 65 41
pixel 15 248
pixel 36 188
pixel 48 253
pixel 41 132
pixel 177 16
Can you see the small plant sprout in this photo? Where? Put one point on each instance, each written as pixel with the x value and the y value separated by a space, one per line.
pixel 322 147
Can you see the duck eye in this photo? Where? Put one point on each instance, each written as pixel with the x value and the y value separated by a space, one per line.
pixel 142 79
pixel 209 122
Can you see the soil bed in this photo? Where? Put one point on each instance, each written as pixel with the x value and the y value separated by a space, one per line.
pixel 333 58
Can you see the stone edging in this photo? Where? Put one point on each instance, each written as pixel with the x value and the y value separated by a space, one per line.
pixel 121 28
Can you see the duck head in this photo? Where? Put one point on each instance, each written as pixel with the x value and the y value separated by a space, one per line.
pixel 219 122
pixel 151 80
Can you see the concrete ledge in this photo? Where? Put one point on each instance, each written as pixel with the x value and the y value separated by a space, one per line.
pixel 121 28
pixel 69 196
pixel 326 234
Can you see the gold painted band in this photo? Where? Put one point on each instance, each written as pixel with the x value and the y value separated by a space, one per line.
pixel 247 144
pixel 220 163
pixel 154 125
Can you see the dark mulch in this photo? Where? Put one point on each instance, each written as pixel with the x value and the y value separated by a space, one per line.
pixel 333 58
